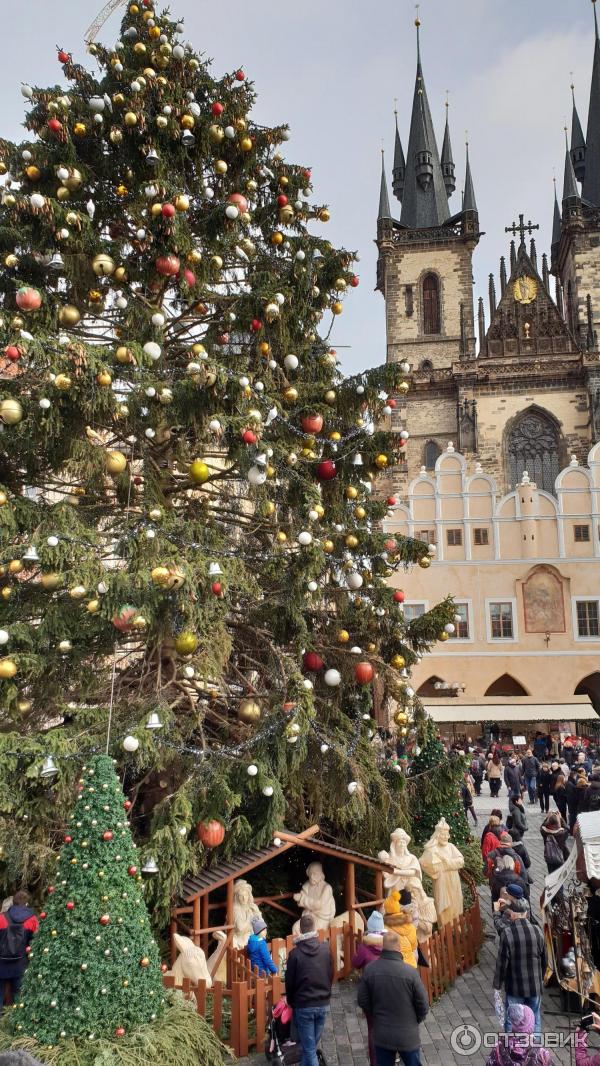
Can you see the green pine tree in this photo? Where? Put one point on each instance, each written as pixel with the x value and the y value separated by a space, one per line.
pixel 188 527
pixel 436 790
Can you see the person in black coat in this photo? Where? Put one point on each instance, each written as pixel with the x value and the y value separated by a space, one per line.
pixel 555 836
pixel 544 785
pixel 512 776
pixel 560 795
pixel 517 819
pixel 393 995
pixel 504 874
pixel 591 799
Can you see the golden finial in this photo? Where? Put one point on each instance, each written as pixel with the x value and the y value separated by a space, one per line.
pixel 447 100
pixel 418 20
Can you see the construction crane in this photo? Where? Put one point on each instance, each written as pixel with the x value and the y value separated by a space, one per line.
pixel 100 19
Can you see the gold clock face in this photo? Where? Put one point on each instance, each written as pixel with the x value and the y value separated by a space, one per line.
pixel 525 290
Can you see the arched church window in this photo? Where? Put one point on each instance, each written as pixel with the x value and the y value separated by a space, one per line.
pixel 533 447
pixel 431 304
pixel 432 454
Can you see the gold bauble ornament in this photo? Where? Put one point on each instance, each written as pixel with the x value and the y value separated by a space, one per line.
pixel 72 218
pixel 23 706
pixel 343 636
pixel 424 562
pixel 351 492
pixel 199 472
pixel 216 261
pixel 93 606
pixel 33 173
pixel 403 387
pixel 69 315
pixel 281 537
pixel 182 202
pixel 443 636
pixel 337 307
pixel 51 581
pixel 160 575
pixel 140 48
pixel 120 274
pixel 11 412
pixel 319 509
pixel 371 647
pixel 78 592
pixel 15 566
pixel 328 546
pixel 188 122
pixel 11 262
pixel 63 382
pixel 324 215
pixel 103 266
pixel 118 99
pixel 269 507
pixel 286 214
pixel 216 134
pixel 116 137
pixel 8 669
pixel 115 462
pixel 186 643
pixel 360 513
pixel 80 129
pixel 104 378
pixel 195 257
pixel 290 394
pixel 121 191
pixel 246 144
pixel 3 499
pixel 330 396
pixel 381 461
pixel 401 718
pixel 130 119
pixel 6 592
pixel 74 181
pixel 124 355
pixel 351 541
pixel 398 662
pixel 162 122
pixel 277 237
pixel 17 322
pixel 335 435
pixel 249 711
pixel 156 210
pixel 220 166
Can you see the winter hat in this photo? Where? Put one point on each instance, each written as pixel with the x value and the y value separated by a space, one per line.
pixel 258 925
pixel 392 903
pixel 505 838
pixel 515 891
pixel 522 1019
pixel 375 923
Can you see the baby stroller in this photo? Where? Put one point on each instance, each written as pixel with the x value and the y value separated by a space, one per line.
pixel 280 1048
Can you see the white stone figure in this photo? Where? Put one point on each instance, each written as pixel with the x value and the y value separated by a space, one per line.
pixel 316 898
pixel 407 874
pixel 244 910
pixel 441 861
pixel 191 962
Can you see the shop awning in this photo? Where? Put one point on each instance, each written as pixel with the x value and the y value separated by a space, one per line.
pixel 522 709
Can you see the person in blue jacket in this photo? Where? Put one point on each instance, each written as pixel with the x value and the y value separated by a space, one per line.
pixel 257 949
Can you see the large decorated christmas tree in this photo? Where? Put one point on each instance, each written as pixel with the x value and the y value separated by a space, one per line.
pixel 192 562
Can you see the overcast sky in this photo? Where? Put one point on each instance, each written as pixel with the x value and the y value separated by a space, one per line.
pixel 332 70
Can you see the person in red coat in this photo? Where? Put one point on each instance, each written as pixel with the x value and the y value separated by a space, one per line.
pixel 368 950
pixel 17 927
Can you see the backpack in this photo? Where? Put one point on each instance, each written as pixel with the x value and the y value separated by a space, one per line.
pixel 553 852
pixel 13 941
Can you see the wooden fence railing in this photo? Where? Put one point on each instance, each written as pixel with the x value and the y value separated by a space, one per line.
pixel 238 1011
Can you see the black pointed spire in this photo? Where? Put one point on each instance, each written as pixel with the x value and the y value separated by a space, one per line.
pixel 424 200
pixel 591 181
pixel 492 295
pixel 545 271
pixel 481 322
pixel 533 253
pixel 448 169
pixel 384 200
pixel 557 220
pixel 469 202
pixel 577 142
pixel 571 199
pixel 513 256
pixel 399 171
pixel 502 274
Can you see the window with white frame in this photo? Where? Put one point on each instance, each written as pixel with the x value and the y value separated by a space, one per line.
pixel 588 618
pixel 461 622
pixel 501 620
pixel 413 610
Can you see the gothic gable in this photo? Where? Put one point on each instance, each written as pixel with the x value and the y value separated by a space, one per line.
pixel 526 321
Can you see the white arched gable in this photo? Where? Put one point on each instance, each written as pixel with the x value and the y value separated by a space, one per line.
pixel 579 477
pixel 422 479
pixel 594 455
pixel 451 463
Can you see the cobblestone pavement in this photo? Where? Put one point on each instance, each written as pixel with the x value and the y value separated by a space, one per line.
pixel 469 1001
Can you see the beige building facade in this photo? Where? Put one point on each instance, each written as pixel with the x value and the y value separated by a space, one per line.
pixel 524 570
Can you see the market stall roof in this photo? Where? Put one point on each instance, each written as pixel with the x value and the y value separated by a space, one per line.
pixel 587 836
pixel 506 709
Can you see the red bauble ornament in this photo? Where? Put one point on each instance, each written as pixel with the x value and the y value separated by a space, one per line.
pixel 256 325
pixel 249 436
pixel 119 1031
pixel 355 281
pixel 28 299
pixel 163 967
pixel 70 906
pixel 124 617
pixel 189 277
pixel 239 201
pixel 307 174
pixel 223 338
pixel 364 673
pixel 13 353
pixel 132 870
pixel 326 471
pixel 392 403
pixel 239 75
pixel 144 962
pixel 216 588
pixel 211 834
pixel 127 805
pixel 42 915
pixel 50 889
pixel 217 108
pixel 68 840
pixel 390 545
pixel 312 661
pixel 54 125
pixel 398 596
pixel 167 266
pixel 391 501
pixel 168 210
pixel 138 479
pixel 104 919
pixel 401 443
pixel 107 834
pixel 282 200
pixel 312 423
pixel 63 57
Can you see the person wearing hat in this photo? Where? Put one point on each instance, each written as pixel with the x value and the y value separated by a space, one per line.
pixel 393 995
pixel 368 950
pixel 519 1049
pixel 258 952
pixel 508 895
pixel 399 919
pixel 521 963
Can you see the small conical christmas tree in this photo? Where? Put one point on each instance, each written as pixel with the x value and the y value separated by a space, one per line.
pixel 437 790
pixel 94 968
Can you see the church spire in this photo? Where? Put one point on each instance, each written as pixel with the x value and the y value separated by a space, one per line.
pixel 447 160
pixel 399 171
pixel 384 200
pixel 469 202
pixel 556 221
pixel 424 200
pixel 577 142
pixel 591 181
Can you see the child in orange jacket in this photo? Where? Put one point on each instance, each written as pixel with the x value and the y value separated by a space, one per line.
pixel 399 919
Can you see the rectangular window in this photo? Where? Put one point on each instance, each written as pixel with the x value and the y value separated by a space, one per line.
pixel 461 631
pixel 481 537
pixel 413 610
pixel 588 618
pixel 428 535
pixel 454 538
pixel 582 534
pixel 501 619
